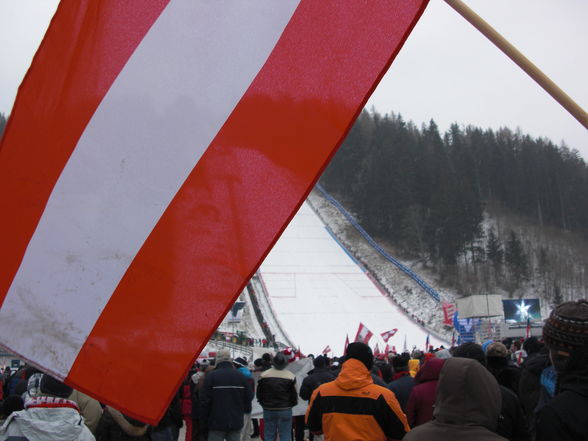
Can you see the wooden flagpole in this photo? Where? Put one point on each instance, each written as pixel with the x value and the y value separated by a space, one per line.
pixel 523 62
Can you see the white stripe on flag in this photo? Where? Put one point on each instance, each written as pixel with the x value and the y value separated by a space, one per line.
pixel 107 211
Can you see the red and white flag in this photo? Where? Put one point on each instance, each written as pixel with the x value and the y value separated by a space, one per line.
pixel 377 350
pixel 346 344
pixel 448 311
pixel 363 334
pixel 155 152
pixel 327 350
pixel 388 334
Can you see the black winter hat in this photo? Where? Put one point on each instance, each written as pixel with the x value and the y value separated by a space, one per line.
pixel 241 361
pixel 362 352
pixel 400 362
pixel 54 387
pixel 532 345
pixel 319 362
pixel 470 350
pixel 280 361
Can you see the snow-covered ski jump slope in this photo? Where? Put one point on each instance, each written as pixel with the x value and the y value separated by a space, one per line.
pixel 320 294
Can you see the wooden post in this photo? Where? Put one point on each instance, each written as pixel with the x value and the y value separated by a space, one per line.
pixel 523 62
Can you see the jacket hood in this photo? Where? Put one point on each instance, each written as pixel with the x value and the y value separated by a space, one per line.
pixel 467 394
pixel 48 424
pixel 353 375
pixel 430 370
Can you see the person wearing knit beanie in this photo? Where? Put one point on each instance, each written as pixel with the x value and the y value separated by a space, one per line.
pixel 362 352
pixel 353 407
pixel 566 336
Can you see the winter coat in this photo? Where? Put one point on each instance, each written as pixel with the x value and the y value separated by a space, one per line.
pixel 506 375
pixel 276 389
pixel 378 380
pixel 402 388
pixel 315 378
pixel 89 408
pixel 530 382
pixel 413 366
pixel 467 405
pixel 419 408
pixel 354 408
pixel 564 417
pixel 109 430
pixel 225 398
pixel 41 421
pixel 512 422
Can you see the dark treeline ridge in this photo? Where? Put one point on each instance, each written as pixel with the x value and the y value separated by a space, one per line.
pixel 2 123
pixel 425 193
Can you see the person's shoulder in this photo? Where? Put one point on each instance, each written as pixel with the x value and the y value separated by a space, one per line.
pixel 381 390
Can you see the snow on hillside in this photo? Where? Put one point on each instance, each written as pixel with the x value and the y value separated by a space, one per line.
pixel 319 294
pixel 404 291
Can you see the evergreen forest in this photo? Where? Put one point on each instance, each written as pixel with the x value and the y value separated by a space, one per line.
pixel 432 197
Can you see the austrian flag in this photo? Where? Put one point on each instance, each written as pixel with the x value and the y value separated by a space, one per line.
pixel 388 334
pixel 155 153
pixel 363 334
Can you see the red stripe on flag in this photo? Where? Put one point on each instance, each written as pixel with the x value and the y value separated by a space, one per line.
pixel 239 197
pixel 54 106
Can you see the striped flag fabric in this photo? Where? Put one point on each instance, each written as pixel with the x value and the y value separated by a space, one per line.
pixel 155 152
pixel 448 312
pixel 377 350
pixel 346 344
pixel 363 334
pixel 388 334
pixel 326 350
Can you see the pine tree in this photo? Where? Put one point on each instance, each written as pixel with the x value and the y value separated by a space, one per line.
pixel 494 252
pixel 516 259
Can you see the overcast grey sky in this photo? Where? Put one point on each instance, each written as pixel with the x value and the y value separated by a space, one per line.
pixel 446 71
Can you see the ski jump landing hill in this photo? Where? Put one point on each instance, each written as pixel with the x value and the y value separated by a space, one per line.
pixel 320 294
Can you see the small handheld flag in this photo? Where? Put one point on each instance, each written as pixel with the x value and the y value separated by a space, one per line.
pixel 363 334
pixel 388 334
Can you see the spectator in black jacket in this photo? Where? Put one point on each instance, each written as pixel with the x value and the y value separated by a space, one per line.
pixel 402 383
pixel 497 362
pixel 319 375
pixel 530 378
pixel 276 392
pixel 225 398
pixel 566 335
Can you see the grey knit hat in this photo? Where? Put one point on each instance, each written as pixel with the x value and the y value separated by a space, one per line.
pixel 222 355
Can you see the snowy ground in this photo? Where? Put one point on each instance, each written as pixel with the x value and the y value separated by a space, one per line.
pixel 319 294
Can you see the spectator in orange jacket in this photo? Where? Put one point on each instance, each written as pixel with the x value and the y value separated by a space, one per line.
pixel 352 407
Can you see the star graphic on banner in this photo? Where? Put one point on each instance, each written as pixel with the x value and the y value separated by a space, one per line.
pixel 523 310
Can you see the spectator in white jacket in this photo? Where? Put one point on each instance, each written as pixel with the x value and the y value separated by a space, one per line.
pixel 48 415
